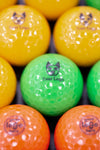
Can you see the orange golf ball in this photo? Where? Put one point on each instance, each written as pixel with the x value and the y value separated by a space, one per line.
pixel 24 34
pixel 23 128
pixel 52 9
pixel 7 83
pixel 77 35
pixel 6 3
pixel 79 129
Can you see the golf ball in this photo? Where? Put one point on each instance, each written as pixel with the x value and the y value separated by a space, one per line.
pixel 93 84
pixel 7 83
pixel 24 34
pixel 6 3
pixel 52 9
pixel 77 35
pixel 23 128
pixel 93 3
pixel 79 129
pixel 52 84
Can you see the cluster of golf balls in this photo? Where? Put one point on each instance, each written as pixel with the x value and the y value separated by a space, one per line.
pixel 51 84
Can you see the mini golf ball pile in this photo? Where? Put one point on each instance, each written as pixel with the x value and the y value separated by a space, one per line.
pixel 52 84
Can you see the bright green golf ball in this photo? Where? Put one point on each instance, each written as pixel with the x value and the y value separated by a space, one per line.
pixel 93 3
pixel 93 84
pixel 52 84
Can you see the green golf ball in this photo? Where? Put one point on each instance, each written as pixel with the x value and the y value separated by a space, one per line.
pixel 93 3
pixel 93 84
pixel 52 84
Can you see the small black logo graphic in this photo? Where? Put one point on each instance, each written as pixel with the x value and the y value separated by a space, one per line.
pixel 52 70
pixel 14 125
pixel 89 125
pixel 19 19
pixel 86 20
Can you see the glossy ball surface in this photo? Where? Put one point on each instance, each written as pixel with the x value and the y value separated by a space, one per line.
pixel 52 9
pixel 52 84
pixel 77 35
pixel 7 83
pixel 93 84
pixel 6 3
pixel 24 34
pixel 92 3
pixel 79 129
pixel 23 128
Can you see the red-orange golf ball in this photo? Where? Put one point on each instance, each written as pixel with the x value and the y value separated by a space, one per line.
pixel 79 129
pixel 23 128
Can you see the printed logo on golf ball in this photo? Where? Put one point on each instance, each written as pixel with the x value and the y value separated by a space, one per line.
pixel 52 84
pixel 14 125
pixel 90 125
pixel 53 70
pixel 27 34
pixel 19 20
pixel 85 20
pixel 77 35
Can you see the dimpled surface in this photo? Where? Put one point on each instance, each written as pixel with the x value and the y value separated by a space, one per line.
pixel 51 95
pixel 52 9
pixel 69 136
pixel 6 3
pixel 35 136
pixel 93 84
pixel 7 83
pixel 77 35
pixel 24 34
pixel 92 3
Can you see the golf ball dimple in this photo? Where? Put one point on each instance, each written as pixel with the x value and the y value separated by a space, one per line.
pixel 23 128
pixel 77 35
pixel 95 4
pixel 52 84
pixel 79 129
pixel 24 34
pixel 52 9
pixel 93 84
pixel 8 83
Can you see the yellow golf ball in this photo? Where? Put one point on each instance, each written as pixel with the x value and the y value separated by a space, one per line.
pixel 6 3
pixel 7 83
pixel 52 9
pixel 24 34
pixel 77 35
